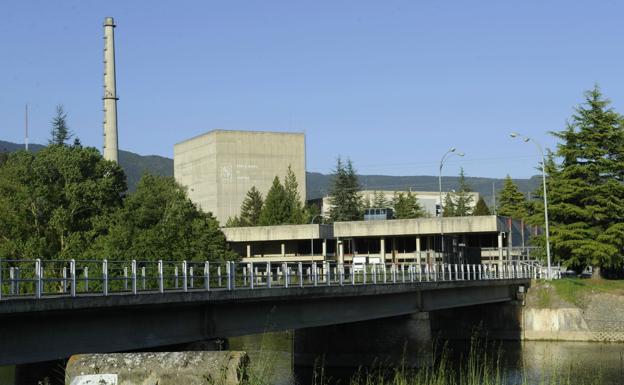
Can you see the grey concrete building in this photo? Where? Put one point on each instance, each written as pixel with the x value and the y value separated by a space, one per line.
pixel 473 239
pixel 220 167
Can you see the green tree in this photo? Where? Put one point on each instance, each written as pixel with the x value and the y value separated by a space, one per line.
pixel 379 200
pixel 511 201
pixel 60 132
pixel 276 209
pixel 251 208
pixel 463 198
pixel 406 206
pixel 52 201
pixel 586 190
pixel 295 207
pixel 481 208
pixel 159 221
pixel 449 209
pixel 346 201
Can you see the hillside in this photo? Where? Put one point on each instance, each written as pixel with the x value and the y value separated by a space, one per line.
pixel 317 184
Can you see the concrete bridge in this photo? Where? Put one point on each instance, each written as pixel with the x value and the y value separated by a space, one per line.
pixel 55 317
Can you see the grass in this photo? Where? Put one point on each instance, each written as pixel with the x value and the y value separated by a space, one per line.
pixel 576 290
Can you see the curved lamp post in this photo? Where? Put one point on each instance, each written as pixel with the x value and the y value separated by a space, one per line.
pixel 541 151
pixel 451 151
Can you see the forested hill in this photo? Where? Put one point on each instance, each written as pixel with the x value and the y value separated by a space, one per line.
pixel 317 184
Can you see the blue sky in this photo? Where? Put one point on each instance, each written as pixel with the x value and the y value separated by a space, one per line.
pixel 390 84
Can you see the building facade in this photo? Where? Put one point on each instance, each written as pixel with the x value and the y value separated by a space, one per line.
pixel 219 167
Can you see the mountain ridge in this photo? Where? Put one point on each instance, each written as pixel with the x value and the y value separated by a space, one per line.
pixel 317 183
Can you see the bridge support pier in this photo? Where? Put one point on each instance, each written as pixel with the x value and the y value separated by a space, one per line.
pixel 385 341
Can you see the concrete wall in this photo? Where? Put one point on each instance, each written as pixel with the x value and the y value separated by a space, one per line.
pixel 277 233
pixel 220 167
pixel 452 225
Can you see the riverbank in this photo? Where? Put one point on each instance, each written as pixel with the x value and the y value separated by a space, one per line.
pixel 573 309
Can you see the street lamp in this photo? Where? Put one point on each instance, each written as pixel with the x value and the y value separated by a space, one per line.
pixel 541 151
pixel 451 151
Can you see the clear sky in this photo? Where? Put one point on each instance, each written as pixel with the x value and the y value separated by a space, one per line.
pixel 390 84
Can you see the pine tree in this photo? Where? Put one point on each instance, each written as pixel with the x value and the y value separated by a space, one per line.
pixel 251 208
pixel 60 132
pixel 586 191
pixel 276 210
pixel 406 206
pixel 293 199
pixel 344 191
pixel 448 209
pixel 463 198
pixel 512 202
pixel 379 200
pixel 481 208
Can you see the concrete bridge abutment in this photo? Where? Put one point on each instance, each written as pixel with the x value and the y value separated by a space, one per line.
pixel 386 341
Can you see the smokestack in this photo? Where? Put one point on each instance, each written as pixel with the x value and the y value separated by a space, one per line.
pixel 110 93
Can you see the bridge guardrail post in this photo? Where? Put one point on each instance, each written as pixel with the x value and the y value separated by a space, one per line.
pixel 175 275
pixel 72 275
pixel 184 276
pixel 125 280
pixel 300 273
pixel 314 274
pixel 230 274
pixel 207 275
pixel 364 270
pixel 374 273
pixel 191 277
pixel 37 277
pixel 341 273
pixel 394 272
pixel 251 275
pixel 285 272
pixel 133 275
pixel 327 273
pixel 352 274
pixel 402 273
pixel 383 266
pixel 268 275
pixel 161 278
pixel 105 277
pixel 64 280
pixel 245 275
pixel 85 274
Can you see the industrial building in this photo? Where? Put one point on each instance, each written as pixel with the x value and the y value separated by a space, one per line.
pixel 219 167
pixel 428 200
pixel 471 239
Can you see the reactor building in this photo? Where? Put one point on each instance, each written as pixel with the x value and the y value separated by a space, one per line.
pixel 218 168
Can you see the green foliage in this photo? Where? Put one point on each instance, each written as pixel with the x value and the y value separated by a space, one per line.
pixel 68 202
pixel 158 221
pixel 379 200
pixel 52 201
pixel 276 209
pixel 60 132
pixel 345 199
pixel 293 200
pixel 251 208
pixel 511 201
pixel 406 206
pixel 481 208
pixel 586 190
pixel 459 203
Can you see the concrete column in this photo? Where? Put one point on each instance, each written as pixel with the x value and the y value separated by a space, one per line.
pixel 324 247
pixel 283 249
pixel 394 250
pixel 248 251
pixel 382 250
pixel 340 252
pixel 418 249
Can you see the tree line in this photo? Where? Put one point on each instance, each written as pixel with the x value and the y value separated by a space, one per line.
pixel 66 201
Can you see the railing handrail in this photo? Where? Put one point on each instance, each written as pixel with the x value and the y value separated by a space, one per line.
pixel 44 278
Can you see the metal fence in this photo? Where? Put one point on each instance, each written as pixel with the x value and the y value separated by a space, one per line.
pixel 44 278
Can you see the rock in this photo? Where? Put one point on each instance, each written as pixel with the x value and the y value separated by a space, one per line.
pixel 180 368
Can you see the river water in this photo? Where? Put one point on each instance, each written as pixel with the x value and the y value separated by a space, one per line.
pixel 527 362
pixel 581 362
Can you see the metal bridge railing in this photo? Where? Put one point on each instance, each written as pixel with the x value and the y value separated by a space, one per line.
pixel 46 278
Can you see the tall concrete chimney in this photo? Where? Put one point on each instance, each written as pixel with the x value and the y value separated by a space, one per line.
pixel 110 93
